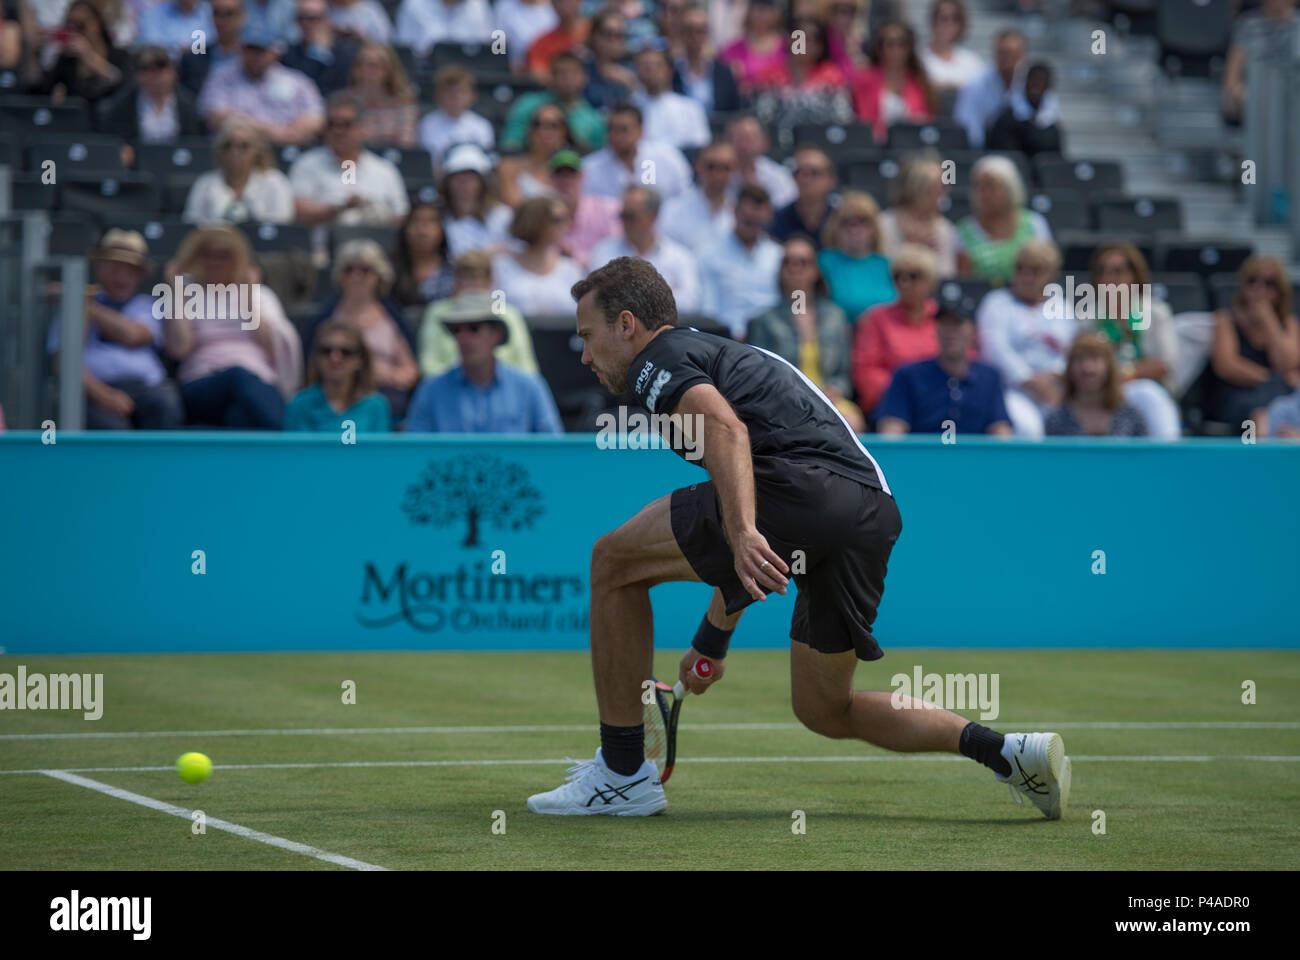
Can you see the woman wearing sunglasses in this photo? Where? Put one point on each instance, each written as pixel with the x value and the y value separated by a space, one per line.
pixel 340 386
pixel 246 184
pixel 1256 353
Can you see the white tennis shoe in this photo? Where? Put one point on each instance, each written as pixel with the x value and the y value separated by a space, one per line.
pixel 592 788
pixel 1040 770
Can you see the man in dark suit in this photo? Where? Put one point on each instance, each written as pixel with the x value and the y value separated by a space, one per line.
pixel 697 73
pixel 153 108
pixel 323 54
pixel 228 15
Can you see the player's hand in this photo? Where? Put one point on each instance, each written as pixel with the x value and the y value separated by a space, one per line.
pixel 760 570
pixel 686 671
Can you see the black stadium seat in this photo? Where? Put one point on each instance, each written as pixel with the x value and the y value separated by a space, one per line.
pixel 165 159
pixel 964 161
pixel 1193 34
pixel 1086 176
pixel 1064 209
pixel 955 205
pixel 940 135
pixel 872 176
pixel 26 192
pixel 835 136
pixel 164 234
pixel 176 191
pixel 75 156
pixel 26 116
pixel 1184 292
pixel 386 237
pixel 71 236
pixel 107 198
pixel 1203 256
pixel 478 58
pixel 410 161
pixel 1077 247
pixel 962 294
pixel 277 237
pixel 1122 214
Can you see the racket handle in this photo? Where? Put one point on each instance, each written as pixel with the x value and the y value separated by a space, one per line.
pixel 679 689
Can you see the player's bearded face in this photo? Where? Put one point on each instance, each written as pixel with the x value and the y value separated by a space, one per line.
pixel 604 351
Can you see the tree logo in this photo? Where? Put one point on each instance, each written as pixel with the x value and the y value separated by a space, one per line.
pixel 478 488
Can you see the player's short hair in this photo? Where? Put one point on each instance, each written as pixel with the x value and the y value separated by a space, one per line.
pixel 632 284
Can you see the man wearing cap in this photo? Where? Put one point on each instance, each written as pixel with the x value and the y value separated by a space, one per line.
pixel 669 117
pixel 472 273
pixel 284 104
pixel 631 159
pixel 228 15
pixel 171 24
pixel 126 385
pixel 481 394
pixel 674 262
pixel 950 393
pixel 595 217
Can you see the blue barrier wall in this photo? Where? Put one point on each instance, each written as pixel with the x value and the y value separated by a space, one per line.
pixel 388 544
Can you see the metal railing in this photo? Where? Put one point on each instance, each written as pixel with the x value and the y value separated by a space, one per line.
pixel 1271 124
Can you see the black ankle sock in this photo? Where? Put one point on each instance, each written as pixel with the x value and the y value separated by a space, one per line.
pixel 623 748
pixel 985 745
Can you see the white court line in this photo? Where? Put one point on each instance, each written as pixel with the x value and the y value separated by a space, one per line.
pixel 884 758
pixel 152 804
pixel 1052 725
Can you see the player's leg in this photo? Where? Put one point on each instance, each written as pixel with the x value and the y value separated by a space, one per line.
pixel 625 564
pixel 821 690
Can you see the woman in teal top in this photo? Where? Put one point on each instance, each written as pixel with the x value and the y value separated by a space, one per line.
pixel 999 222
pixel 341 387
pixel 850 259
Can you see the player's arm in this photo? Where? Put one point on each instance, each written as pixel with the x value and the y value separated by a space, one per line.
pixel 727 457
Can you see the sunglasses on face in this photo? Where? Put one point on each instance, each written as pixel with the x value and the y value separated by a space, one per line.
pixel 611 34
pixel 151 65
pixel 456 329
pixel 232 12
pixel 797 262
pixel 347 353
pixel 811 171
pixel 357 268
pixel 911 276
pixel 719 167
pixel 237 145
pixel 1260 280
pixel 309 17
pixel 550 124
pixel 339 122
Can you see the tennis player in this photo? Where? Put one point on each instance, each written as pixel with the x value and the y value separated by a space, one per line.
pixel 792 493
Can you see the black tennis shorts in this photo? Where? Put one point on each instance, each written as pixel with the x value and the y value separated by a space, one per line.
pixel 846 531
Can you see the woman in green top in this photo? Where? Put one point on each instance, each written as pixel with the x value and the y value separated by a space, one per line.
pixel 850 259
pixel 341 386
pixel 999 222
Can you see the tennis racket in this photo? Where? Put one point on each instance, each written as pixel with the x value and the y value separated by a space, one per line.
pixel 661 718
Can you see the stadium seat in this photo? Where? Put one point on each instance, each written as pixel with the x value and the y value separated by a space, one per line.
pixel 422 190
pixel 1086 176
pixel 1077 247
pixel 107 198
pixel 872 176
pixel 1064 209
pixel 11 155
pixel 1193 34
pixel 26 192
pixel 26 116
pixel 410 161
pixel 1117 213
pixel 1184 292
pixel 71 236
pixel 164 234
pixel 286 155
pixel 962 294
pixel 176 191
pixel 835 137
pixel 75 156
pixel 165 159
pixel 277 237
pixel 940 135
pixel 386 237
pixel 578 395
pixel 478 58
pixel 1203 256
pixel 955 205
pixel 964 161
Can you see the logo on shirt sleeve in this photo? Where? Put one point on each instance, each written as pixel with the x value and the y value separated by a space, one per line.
pixel 653 396
pixel 644 376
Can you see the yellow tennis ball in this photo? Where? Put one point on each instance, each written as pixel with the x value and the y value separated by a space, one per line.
pixel 193 767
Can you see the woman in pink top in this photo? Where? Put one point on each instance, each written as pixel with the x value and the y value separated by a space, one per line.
pixel 895 334
pixel 761 49
pixel 894 88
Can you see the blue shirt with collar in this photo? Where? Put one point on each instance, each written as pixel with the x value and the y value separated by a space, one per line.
pixel 923 395
pixel 514 402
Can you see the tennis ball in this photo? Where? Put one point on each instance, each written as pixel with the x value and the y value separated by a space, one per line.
pixel 193 767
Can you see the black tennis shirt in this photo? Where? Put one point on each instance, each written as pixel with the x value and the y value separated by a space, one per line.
pixel 791 423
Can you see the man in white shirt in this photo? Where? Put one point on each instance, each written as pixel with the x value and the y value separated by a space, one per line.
pixel 705 214
pixel 629 160
pixel 739 275
pixel 669 117
pixel 422 23
pixel 343 183
pixel 454 122
pixel 981 100
pixel 523 21
pixel 640 239
pixel 751 143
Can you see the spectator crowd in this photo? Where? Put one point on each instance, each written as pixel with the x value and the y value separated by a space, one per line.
pixel 713 140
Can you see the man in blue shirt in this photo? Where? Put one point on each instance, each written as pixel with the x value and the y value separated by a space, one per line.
pixel 481 395
pixel 948 394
